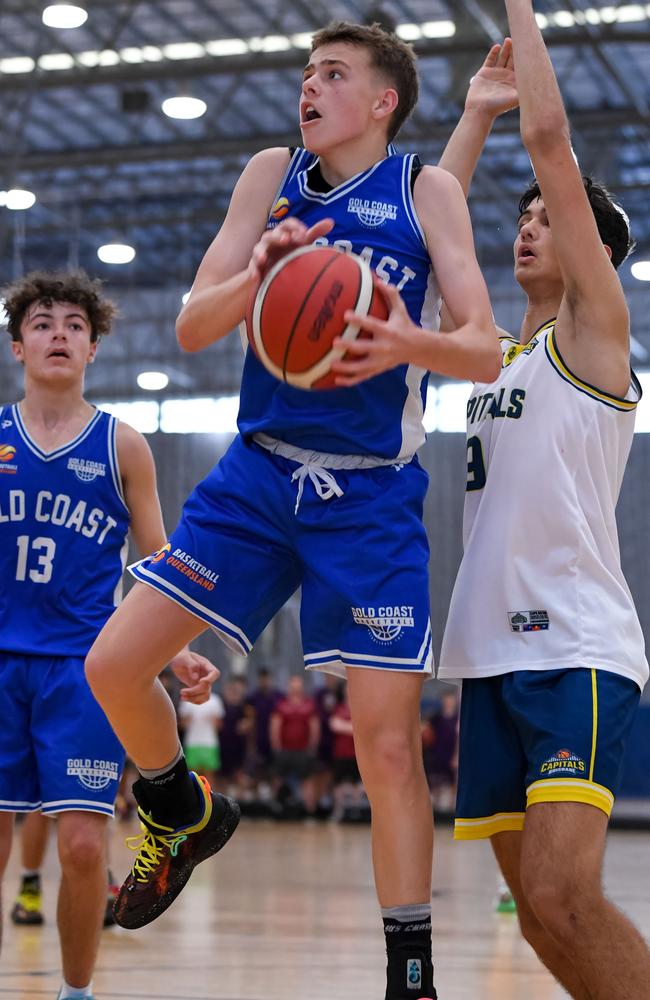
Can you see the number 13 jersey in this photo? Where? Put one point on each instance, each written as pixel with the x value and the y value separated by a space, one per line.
pixel 540 586
pixel 63 526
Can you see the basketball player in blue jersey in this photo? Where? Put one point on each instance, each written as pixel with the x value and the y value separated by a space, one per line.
pixel 542 627
pixel 321 489
pixel 73 482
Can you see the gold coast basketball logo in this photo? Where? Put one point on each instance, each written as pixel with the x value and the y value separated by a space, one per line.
pixel 563 762
pixel 93 774
pixel 280 209
pixel 7 453
pixel 385 622
pixel 372 213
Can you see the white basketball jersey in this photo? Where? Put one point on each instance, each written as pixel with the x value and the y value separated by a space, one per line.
pixel 540 586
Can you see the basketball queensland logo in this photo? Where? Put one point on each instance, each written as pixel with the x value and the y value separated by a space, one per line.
pixel 280 209
pixel 94 775
pixel 7 454
pixel 385 622
pixel 161 553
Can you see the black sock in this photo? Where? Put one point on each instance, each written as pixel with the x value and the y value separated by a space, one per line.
pixel 172 798
pixel 409 969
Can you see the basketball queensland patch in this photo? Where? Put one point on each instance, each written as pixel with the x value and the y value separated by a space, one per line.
pixel 385 622
pixel 528 621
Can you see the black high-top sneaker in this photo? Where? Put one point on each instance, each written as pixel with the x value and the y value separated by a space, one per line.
pixel 167 857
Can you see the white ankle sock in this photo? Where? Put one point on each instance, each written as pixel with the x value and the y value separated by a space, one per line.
pixel 70 992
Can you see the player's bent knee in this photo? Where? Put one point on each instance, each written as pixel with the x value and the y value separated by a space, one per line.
pixel 558 902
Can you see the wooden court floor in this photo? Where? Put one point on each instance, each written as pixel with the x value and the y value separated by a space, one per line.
pixel 288 912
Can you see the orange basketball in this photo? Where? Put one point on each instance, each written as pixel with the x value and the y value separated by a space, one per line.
pixel 297 311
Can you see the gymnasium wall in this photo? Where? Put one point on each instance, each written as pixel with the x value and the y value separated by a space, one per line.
pixel 183 459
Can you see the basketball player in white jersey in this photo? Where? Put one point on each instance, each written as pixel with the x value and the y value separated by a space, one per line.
pixel 73 482
pixel 542 627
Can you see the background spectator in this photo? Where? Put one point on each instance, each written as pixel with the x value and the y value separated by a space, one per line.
pixel 199 726
pixel 295 732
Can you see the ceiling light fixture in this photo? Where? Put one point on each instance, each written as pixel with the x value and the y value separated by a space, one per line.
pixel 64 15
pixel 152 381
pixel 17 199
pixel 184 107
pixel 116 253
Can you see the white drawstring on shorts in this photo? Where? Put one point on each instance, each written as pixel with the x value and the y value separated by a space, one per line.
pixel 324 483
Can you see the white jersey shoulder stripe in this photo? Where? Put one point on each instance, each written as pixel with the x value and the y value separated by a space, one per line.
pixel 615 402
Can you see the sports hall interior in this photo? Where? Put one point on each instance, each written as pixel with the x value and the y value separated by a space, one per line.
pixel 93 157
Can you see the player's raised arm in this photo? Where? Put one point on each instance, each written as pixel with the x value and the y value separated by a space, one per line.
pixel 218 298
pixel 491 93
pixel 593 323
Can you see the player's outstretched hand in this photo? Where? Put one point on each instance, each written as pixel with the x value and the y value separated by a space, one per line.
pixel 196 673
pixel 287 236
pixel 392 342
pixel 493 90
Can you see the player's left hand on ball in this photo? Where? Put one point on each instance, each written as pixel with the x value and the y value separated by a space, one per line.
pixel 287 236
pixel 196 673
pixel 391 343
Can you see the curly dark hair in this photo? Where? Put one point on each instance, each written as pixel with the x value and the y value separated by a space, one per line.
pixel 613 224
pixel 389 55
pixel 59 286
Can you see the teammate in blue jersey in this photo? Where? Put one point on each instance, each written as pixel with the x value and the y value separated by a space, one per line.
pixel 321 489
pixel 549 695
pixel 73 482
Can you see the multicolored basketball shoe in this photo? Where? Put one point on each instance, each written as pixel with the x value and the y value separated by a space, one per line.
pixel 167 857
pixel 27 908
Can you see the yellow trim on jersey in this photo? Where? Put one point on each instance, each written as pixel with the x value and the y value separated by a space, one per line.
pixel 486 826
pixel 571 790
pixel 594 724
pixel 558 363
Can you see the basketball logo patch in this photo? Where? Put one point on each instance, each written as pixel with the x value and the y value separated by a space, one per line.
pixel 563 762
pixel 93 774
pixel 7 452
pixel 385 622
pixel 280 209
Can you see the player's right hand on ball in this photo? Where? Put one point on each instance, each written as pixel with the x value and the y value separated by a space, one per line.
pixel 285 237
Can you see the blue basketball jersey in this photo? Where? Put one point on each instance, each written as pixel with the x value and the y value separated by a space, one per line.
pixel 374 217
pixel 64 524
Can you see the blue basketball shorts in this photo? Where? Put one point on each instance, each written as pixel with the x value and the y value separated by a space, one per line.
pixel 539 736
pixel 260 526
pixel 57 749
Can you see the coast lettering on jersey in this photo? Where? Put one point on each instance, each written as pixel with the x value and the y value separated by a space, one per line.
pixel 60 510
pixel 385 268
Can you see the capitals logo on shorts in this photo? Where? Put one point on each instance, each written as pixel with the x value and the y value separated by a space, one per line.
pixel 280 209
pixel 93 774
pixel 385 622
pixel 563 762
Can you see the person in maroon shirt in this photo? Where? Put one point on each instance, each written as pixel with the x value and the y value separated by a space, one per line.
pixel 349 795
pixel 295 732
